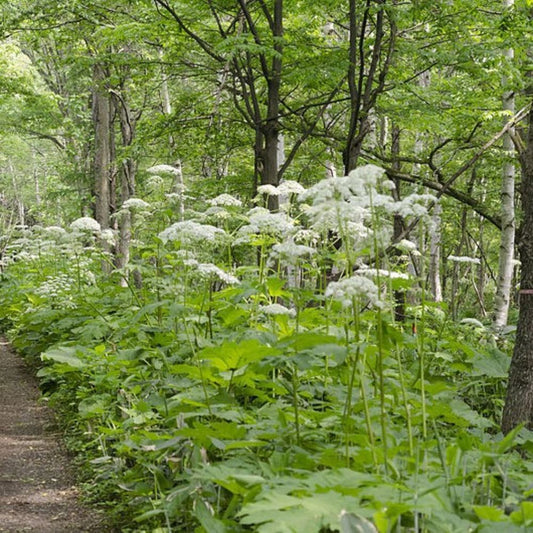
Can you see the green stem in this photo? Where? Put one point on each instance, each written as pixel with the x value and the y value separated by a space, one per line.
pixel 405 402
pixel 295 403
pixel 200 370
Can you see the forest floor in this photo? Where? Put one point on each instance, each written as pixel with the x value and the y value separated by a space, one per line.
pixel 37 487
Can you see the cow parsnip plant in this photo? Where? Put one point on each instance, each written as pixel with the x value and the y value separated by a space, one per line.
pixel 251 375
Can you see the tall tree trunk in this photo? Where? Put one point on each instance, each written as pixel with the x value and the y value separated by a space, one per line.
pixel 398 222
pixel 519 400
pixel 355 81
pixel 271 128
pixel 127 184
pixel 435 235
pixel 507 239
pixel 102 145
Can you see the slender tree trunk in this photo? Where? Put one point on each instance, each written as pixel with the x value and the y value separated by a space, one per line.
pixel 127 184
pixel 102 145
pixel 271 129
pixel 353 145
pixel 398 222
pixel 507 239
pixel 435 254
pixel 178 187
pixel 177 181
pixel 519 400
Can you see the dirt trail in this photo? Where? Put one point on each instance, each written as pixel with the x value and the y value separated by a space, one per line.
pixel 37 492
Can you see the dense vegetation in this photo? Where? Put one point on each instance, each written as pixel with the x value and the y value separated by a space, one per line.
pixel 235 338
pixel 232 393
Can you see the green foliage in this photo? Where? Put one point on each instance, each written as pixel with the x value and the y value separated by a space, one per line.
pixel 200 403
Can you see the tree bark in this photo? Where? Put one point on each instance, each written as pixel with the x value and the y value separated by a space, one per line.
pixel 102 145
pixel 398 222
pixel 507 239
pixel 127 183
pixel 272 126
pixel 519 400
pixel 367 71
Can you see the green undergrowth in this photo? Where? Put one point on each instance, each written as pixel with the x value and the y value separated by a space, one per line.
pixel 200 404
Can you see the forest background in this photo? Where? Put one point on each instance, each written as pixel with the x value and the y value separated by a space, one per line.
pixel 263 255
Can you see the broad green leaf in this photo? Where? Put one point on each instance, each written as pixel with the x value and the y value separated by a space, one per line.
pixel 231 356
pixel 494 364
pixel 524 515
pixel 66 355
pixel 485 512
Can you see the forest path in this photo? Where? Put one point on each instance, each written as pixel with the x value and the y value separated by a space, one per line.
pixel 37 492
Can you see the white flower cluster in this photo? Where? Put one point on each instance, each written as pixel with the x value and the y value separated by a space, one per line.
pixel 109 236
pixel 55 286
pixel 379 272
pixel 405 245
pixel 189 232
pixel 269 190
pixel 85 224
pixel 285 188
pixel 183 255
pixel 290 187
pixel 164 169
pixel 344 205
pixel 135 204
pixel 359 183
pixel 307 236
pixel 54 231
pixel 208 270
pixel 289 252
pixel 225 200
pixel 414 205
pixel 277 310
pixel 155 182
pixel 464 259
pixel 218 213
pixel 356 288
pixel 262 222
pixel 339 216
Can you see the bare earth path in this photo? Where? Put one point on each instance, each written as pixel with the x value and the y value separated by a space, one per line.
pixel 37 493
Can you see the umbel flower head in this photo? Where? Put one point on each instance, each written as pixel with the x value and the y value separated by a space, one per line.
pixel 354 288
pixel 164 169
pixel 209 271
pixel 85 224
pixel 269 190
pixel 135 204
pixel 262 221
pixel 276 309
pixel 290 252
pixel 189 232
pixel 290 187
pixel 225 200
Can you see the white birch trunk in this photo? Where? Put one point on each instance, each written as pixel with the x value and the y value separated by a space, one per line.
pixel 434 254
pixel 435 231
pixel 507 239
pixel 178 186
